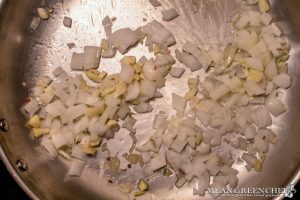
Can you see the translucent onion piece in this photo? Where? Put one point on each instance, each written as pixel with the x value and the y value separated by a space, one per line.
pixel 169 14
pixel 179 103
pixel 123 39
pixel 77 167
pixel 261 117
pixel 275 106
pixel 282 81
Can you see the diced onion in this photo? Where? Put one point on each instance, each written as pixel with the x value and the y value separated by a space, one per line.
pixel 91 57
pixel 252 88
pixel 142 108
pixel 261 117
pixel 59 140
pixel 127 73
pixel 123 39
pixel 275 106
pixel 31 107
pixel 55 108
pixel 155 3
pixel 77 167
pixel 179 103
pixel 282 81
pixel 147 88
pixel 169 14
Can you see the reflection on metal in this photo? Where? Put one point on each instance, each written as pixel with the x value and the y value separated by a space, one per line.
pixel 21 164
pixel 4 125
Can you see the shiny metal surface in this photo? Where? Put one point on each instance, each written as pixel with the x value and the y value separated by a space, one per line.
pixel 25 54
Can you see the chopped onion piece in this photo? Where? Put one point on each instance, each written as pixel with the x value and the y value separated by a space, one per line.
pixel 261 117
pixel 59 72
pixel 48 95
pixel 158 161
pixel 180 182
pixel 266 18
pixel 216 55
pixel 123 111
pixel 213 164
pixel 164 59
pixel 44 81
pixel 129 124
pixel 35 23
pixel 282 80
pixel 61 94
pixel 127 73
pixel 169 14
pixel 155 3
pixel 178 145
pixel 159 119
pixel 245 40
pixel 188 60
pixel 151 71
pixel 203 149
pixel 253 88
pixel 67 22
pixel 147 146
pixel 59 140
pixel 77 167
pixel 203 183
pixel 133 91
pixel 275 106
pixel 73 112
pixel 43 13
pixel 203 57
pixel 159 34
pixel 107 24
pixel 55 108
pixel 252 161
pixel 37 91
pixel 260 50
pixel 108 53
pixel 232 180
pixel 264 5
pixel 249 132
pixel 123 39
pixel 254 63
pixel 242 22
pixel 147 88
pixel 112 101
pixel 222 180
pixel 77 61
pixel 276 29
pixel 107 21
pixel 254 18
pixel 269 88
pixel 31 107
pixel 142 108
pixel 176 72
pixel 78 153
pixel 219 92
pixel 91 57
pixel 48 145
pixel 232 101
pixel 261 140
pixel 179 103
pixel 96 127
pixel 108 113
pixel 271 70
